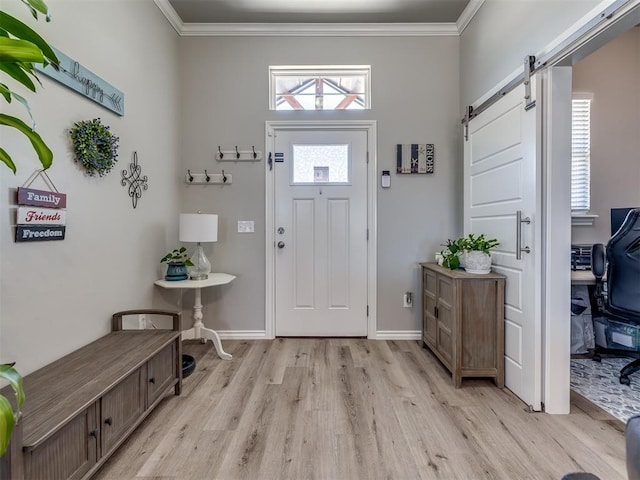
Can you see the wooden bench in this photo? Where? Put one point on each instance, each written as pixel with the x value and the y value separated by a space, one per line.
pixel 80 408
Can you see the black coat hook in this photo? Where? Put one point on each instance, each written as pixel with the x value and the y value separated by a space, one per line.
pixel 206 176
pixel 224 177
pixel 190 176
pixel 255 155
pixel 220 152
pixel 237 153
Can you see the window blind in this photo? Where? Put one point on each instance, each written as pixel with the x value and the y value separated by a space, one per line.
pixel 580 154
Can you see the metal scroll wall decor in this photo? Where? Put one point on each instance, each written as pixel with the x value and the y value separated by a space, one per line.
pixel 137 183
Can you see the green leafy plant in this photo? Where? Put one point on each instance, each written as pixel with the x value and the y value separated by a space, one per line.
pixel 479 243
pixel 94 146
pixel 455 248
pixel 9 417
pixel 20 49
pixel 177 255
pixel 451 253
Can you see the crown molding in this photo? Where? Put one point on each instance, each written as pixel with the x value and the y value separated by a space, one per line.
pixel 308 29
pixel 171 15
pixel 467 14
pixel 319 29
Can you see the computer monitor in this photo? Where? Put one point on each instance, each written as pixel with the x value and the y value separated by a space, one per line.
pixel 618 216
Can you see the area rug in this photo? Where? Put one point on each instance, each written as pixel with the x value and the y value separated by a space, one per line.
pixel 598 382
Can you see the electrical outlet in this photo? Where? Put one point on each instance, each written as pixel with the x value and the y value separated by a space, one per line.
pixel 142 321
pixel 407 300
pixel 245 226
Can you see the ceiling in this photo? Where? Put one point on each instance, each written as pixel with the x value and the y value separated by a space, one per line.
pixel 318 11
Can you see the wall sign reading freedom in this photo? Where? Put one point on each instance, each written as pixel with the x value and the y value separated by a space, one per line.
pixel 29 233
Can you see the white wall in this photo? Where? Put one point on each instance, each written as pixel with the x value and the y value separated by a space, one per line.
pixel 224 90
pixel 57 296
pixel 612 75
pixel 503 32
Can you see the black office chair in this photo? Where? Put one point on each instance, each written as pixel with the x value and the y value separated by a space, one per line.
pixel 620 302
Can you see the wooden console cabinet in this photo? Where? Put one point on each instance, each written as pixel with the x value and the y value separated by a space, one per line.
pixel 463 321
pixel 80 408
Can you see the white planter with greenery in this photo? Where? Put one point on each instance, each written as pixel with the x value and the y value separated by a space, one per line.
pixel 470 252
pixel 477 262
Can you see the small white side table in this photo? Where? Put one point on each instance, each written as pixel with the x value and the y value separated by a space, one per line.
pixel 199 330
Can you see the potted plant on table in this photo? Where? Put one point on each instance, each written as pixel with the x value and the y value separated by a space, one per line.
pixel 471 253
pixel 477 255
pixel 177 262
pixel 451 255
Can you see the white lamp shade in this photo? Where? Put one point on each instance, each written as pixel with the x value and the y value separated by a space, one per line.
pixel 198 227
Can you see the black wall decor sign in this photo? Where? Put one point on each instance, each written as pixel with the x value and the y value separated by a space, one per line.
pixel 39 233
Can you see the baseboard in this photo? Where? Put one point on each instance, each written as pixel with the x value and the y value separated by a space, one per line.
pixel 398 335
pixel 262 334
pixel 242 334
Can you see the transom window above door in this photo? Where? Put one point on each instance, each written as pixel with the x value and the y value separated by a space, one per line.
pixel 320 87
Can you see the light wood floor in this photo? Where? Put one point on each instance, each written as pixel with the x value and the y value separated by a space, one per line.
pixel 356 409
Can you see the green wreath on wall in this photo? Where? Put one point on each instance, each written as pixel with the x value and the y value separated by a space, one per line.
pixel 94 146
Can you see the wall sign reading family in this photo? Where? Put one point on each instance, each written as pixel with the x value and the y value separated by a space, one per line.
pixel 87 83
pixel 41 215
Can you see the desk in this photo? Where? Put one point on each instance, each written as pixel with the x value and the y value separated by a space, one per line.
pixel 582 277
pixel 199 330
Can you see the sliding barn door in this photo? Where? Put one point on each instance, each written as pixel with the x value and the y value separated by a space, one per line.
pixel 502 195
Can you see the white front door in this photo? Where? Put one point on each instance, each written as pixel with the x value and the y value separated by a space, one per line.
pixel 502 177
pixel 321 232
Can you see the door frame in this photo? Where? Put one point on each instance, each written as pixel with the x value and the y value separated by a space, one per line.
pixel 271 129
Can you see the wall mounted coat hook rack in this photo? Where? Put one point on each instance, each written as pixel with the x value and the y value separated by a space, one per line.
pixel 207 178
pixel 239 155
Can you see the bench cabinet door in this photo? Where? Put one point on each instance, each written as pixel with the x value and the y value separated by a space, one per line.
pixel 161 372
pixel 69 453
pixel 121 408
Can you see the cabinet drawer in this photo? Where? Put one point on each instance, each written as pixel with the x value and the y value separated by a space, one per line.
pixel 69 453
pixel 161 371
pixel 120 409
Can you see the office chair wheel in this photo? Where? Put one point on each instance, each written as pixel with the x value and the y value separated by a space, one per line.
pixel 625 380
pixel 596 358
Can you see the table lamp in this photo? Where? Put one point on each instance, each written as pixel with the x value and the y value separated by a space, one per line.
pixel 198 228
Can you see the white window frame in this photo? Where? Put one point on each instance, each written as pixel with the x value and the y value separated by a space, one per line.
pixel 581 153
pixel 320 71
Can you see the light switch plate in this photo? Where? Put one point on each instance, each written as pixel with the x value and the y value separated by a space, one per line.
pixel 245 226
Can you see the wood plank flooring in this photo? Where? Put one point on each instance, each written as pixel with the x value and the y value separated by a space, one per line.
pixel 356 409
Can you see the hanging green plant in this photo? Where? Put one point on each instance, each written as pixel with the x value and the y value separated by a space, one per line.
pixel 94 146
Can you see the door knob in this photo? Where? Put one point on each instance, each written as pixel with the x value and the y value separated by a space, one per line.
pixel 280 244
